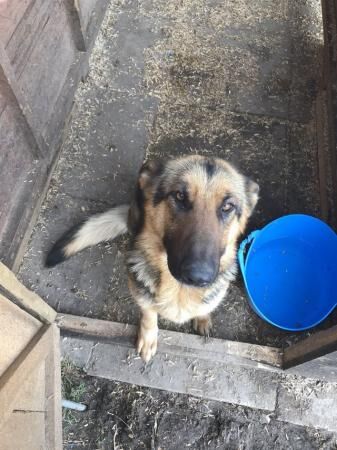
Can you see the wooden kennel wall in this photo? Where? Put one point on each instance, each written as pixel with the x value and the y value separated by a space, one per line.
pixel 44 51
pixel 30 374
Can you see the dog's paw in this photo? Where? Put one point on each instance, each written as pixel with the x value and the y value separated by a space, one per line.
pixel 147 343
pixel 203 325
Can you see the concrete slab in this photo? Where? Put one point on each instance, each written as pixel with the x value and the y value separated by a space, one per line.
pixel 307 402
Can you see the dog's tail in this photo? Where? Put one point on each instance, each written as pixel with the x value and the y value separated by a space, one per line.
pixel 99 228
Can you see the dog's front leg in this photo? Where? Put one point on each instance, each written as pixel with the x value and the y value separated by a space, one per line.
pixel 203 325
pixel 148 334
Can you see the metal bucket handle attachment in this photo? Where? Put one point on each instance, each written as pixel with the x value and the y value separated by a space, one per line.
pixel 243 252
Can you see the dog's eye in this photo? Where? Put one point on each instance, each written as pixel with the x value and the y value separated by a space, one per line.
pixel 179 196
pixel 181 200
pixel 227 207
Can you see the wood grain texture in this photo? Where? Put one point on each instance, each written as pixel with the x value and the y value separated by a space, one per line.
pixel 11 13
pixel 12 380
pixel 40 68
pixel 27 33
pixel 38 145
pixel 24 431
pixel 178 371
pixel 53 393
pixel 15 168
pixel 32 396
pixel 172 342
pixel 17 329
pixel 45 71
pixel 26 298
pixel 316 345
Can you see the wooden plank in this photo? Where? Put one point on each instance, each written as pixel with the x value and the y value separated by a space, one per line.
pixel 17 330
pixel 23 203
pixel 76 23
pixel 16 173
pixel 178 371
pixel 62 109
pixel 53 133
pixel 172 342
pixel 11 13
pixel 53 394
pixel 27 33
pixel 316 345
pixel 32 395
pixel 23 431
pixel 56 53
pixel 38 144
pixel 13 379
pixel 26 298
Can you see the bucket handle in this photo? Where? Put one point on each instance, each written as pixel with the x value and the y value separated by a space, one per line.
pixel 242 251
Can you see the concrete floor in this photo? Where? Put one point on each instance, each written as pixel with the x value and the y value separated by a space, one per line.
pixel 235 79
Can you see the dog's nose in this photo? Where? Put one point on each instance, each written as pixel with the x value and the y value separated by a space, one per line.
pixel 198 274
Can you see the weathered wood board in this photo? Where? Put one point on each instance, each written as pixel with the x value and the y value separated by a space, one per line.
pixel 30 373
pixel 41 63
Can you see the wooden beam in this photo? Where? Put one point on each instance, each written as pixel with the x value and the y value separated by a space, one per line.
pixel 27 299
pixel 13 379
pixel 172 342
pixel 38 144
pixel 53 393
pixel 181 371
pixel 316 345
pixel 76 24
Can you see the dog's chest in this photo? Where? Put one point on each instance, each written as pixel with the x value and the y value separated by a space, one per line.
pixel 180 304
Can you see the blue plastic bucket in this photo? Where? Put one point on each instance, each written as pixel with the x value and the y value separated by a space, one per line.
pixel 290 271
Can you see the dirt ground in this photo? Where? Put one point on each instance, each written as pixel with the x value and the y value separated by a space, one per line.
pixel 122 416
pixel 235 79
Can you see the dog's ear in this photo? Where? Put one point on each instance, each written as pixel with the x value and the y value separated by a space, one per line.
pixel 252 193
pixel 147 178
pixel 149 173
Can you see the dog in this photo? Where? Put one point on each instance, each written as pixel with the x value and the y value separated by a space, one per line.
pixel 185 220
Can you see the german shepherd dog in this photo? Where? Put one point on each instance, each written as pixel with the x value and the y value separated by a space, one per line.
pixel 185 220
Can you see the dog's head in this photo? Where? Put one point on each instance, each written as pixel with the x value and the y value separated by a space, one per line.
pixel 197 207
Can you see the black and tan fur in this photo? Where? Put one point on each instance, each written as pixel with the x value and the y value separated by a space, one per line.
pixel 185 220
